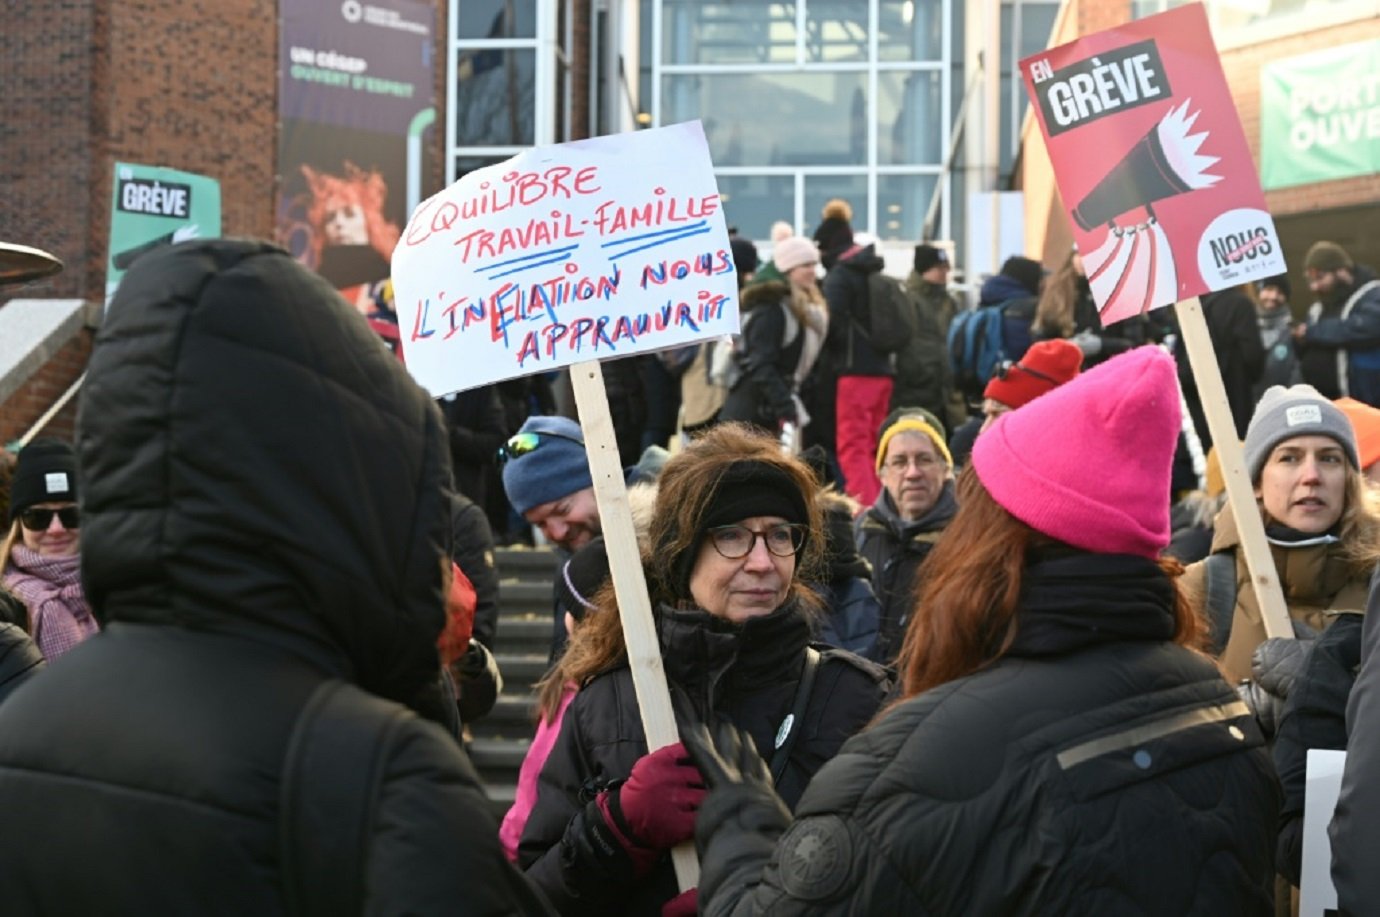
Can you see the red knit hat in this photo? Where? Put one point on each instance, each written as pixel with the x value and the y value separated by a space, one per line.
pixel 1045 366
pixel 1088 464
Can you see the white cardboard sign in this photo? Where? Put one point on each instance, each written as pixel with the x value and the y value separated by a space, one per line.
pixel 579 251
pixel 1317 894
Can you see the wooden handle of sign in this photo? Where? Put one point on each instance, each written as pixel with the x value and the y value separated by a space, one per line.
pixel 1240 493
pixel 625 566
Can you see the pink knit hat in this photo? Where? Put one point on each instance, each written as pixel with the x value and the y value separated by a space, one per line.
pixel 1088 463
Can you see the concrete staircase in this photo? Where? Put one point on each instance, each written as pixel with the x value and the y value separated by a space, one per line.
pixel 523 646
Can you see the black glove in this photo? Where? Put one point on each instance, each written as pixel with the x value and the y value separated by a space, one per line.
pixel 1276 666
pixel 728 757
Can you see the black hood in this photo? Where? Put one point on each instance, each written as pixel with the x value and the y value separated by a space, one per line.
pixel 256 463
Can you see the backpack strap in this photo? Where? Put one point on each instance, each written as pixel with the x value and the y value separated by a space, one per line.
pixel 332 775
pixel 792 725
pixel 1219 583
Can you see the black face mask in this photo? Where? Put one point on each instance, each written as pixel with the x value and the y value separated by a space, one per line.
pixel 1083 286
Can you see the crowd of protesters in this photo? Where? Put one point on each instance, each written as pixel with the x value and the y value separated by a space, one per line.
pixel 930 641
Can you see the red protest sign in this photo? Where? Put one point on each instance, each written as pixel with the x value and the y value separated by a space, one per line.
pixel 1152 164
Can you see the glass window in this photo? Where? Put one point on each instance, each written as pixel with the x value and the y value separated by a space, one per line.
pixel 497 19
pixel 728 32
pixel 754 202
pixel 910 30
pixel 495 97
pixel 820 189
pixel 910 122
pixel 835 30
pixel 758 119
pixel 464 165
pixel 902 202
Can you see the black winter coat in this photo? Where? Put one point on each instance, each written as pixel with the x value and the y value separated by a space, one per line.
pixel 747 673
pixel 20 658
pixel 762 395
pixel 1097 768
pixel 895 549
pixel 264 513
pixel 1235 335
pixel 850 315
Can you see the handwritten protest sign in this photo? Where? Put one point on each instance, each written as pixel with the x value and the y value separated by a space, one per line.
pixel 1152 163
pixel 579 251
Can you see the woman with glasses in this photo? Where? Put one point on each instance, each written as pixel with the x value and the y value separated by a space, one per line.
pixel 735 534
pixel 41 559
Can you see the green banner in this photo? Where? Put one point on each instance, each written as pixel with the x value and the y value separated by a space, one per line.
pixel 152 207
pixel 1320 116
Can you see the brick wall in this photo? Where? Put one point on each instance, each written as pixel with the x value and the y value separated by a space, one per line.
pixel 187 84
pixel 46 62
pixel 43 389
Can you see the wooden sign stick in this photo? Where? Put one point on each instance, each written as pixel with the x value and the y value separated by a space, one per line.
pixel 1240 493
pixel 625 566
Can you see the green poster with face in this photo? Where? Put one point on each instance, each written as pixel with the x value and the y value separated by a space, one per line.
pixel 1320 116
pixel 153 207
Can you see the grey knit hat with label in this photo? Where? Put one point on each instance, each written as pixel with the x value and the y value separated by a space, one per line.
pixel 1298 410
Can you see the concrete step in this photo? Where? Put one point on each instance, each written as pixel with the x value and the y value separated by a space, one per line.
pixel 523 596
pixel 522 671
pixel 527 562
pixel 512 717
pixel 498 760
pixel 523 635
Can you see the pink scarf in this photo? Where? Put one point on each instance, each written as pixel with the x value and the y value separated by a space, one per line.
pixel 59 617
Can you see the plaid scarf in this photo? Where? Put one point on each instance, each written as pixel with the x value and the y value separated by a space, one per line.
pixel 59 616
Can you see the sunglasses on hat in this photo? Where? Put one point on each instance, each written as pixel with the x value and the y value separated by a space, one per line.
pixel 38 520
pixel 523 443
pixel 1006 366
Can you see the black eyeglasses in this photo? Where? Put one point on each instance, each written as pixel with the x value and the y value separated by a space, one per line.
pixel 523 443
pixel 38 520
pixel 1005 367
pixel 735 541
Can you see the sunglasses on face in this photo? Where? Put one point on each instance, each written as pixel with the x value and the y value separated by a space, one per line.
pixel 38 520
pixel 735 541
pixel 523 443
pixel 1006 366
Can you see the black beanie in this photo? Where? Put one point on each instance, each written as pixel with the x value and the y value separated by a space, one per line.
pixel 45 472
pixel 927 256
pixel 746 489
pixel 583 575
pixel 1025 271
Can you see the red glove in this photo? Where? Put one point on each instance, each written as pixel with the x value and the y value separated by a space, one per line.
pixel 655 809
pixel 686 904
pixel 460 605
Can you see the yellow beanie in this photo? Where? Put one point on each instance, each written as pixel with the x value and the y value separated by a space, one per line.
pixel 916 424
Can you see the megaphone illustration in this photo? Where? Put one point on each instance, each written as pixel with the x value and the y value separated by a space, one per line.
pixel 1164 163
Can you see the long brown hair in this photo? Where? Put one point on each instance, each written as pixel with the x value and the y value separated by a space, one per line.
pixel 686 489
pixel 971 585
pixel 1054 314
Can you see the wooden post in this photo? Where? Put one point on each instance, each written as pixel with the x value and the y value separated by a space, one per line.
pixel 625 566
pixel 1240 493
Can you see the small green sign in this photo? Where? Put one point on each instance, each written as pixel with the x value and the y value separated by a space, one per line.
pixel 1320 116
pixel 153 207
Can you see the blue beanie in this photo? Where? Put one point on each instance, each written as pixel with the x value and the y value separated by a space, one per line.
pixel 557 468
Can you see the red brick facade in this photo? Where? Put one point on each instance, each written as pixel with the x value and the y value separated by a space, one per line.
pixel 42 391
pixel 188 84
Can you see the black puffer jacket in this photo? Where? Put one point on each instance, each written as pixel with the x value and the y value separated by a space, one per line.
pixel 20 659
pixel 850 315
pixel 895 549
pixel 264 512
pixel 748 674
pixel 762 396
pixel 1096 769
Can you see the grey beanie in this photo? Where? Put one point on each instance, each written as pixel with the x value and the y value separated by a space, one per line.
pixel 1298 410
